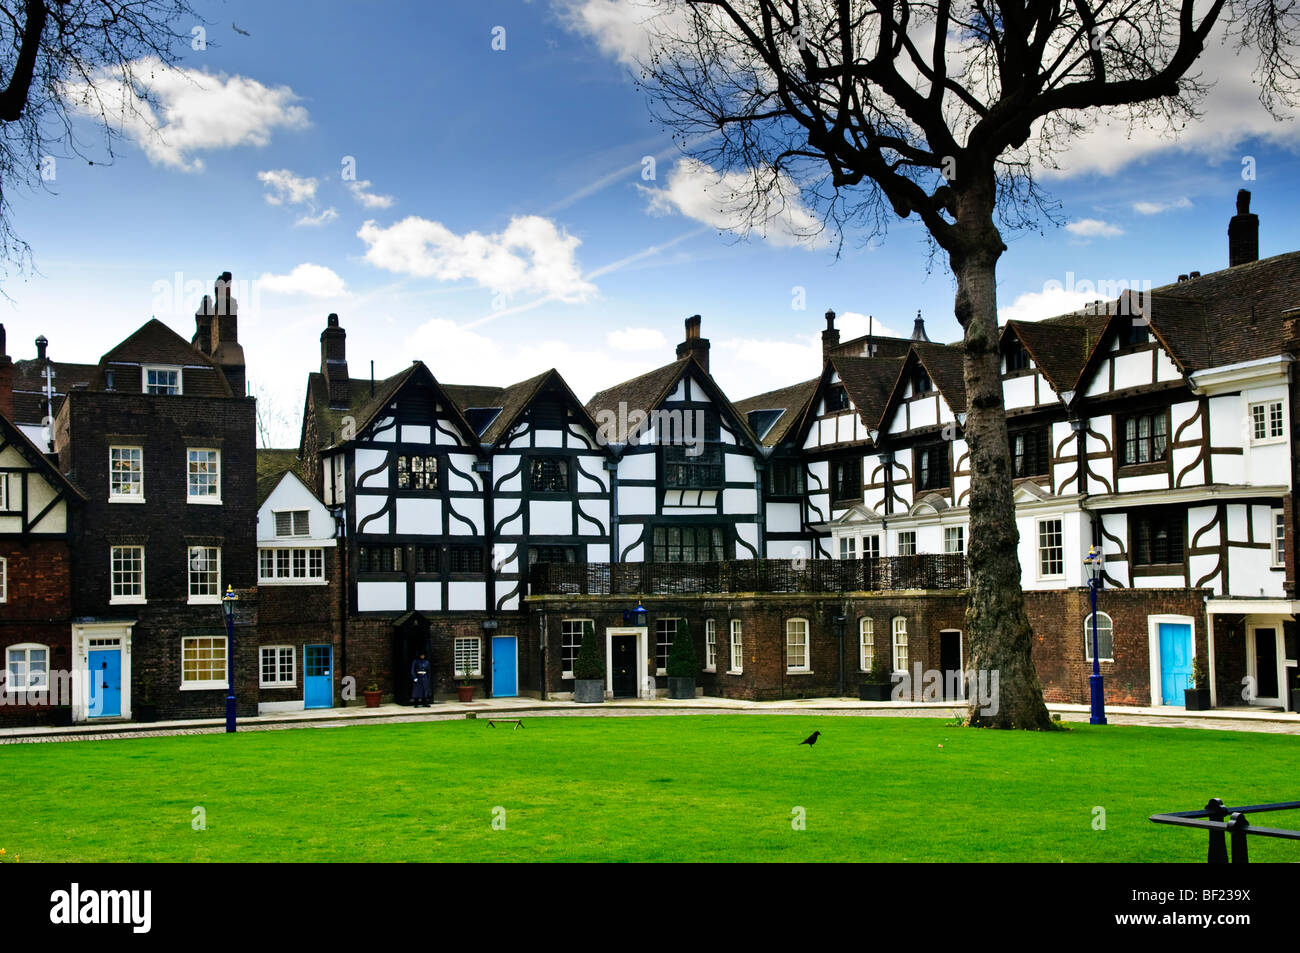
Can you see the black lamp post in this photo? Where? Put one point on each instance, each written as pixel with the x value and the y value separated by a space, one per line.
pixel 1092 566
pixel 839 635
pixel 228 610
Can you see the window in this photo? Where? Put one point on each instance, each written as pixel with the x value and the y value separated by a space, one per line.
pixel 162 380
pixel 4 580
pixel 552 555
pixel 465 559
pixel 787 478
pixel 846 480
pixel 1157 536
pixel 1051 549
pixel 1266 423
pixel 1105 638
pixel 932 467
pixel 203 662
pixel 1136 333
pixel 866 644
pixel 1143 438
pixel 907 542
pixel 1029 453
pixel 277 668
pixel 469 657
pixel 570 643
pixel 693 463
pixel 737 649
pixel 900 644
pixel 205 574
pixel 665 632
pixel 1279 546
pixel 126 474
pixel 126 567
pixel 417 472
pixel 289 565
pixel 292 523
pixel 871 546
pixel 710 645
pixel 426 560
pixel 27 667
pixel 954 540
pixel 689 544
pixel 848 547
pixel 549 475
pixel 1017 358
pixel 796 646
pixel 4 491
pixel 204 476
pixel 921 383
pixel 837 399
pixel 371 559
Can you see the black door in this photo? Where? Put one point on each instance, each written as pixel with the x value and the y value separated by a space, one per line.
pixel 410 638
pixel 1266 663
pixel 950 664
pixel 624 665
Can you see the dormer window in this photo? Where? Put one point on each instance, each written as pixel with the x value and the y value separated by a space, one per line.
pixel 1017 357
pixel 837 399
pixel 921 382
pixel 1137 332
pixel 162 380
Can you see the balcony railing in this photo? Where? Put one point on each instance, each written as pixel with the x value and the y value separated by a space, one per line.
pixel 927 571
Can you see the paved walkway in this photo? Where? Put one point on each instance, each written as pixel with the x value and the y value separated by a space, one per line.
pixel 1224 719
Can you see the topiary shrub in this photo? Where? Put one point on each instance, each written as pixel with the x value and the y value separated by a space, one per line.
pixel 682 662
pixel 590 664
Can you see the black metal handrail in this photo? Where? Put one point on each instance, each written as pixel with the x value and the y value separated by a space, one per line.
pixel 1221 821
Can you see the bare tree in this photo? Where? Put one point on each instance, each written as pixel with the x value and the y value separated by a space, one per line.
pixel 943 111
pixel 48 46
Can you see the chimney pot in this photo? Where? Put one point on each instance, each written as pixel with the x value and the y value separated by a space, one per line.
pixel 1194 274
pixel 694 345
pixel 1182 278
pixel 41 345
pixel 334 361
pixel 1243 233
pixel 830 337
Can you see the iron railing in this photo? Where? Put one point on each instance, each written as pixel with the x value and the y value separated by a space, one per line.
pixel 1221 821
pixel 928 571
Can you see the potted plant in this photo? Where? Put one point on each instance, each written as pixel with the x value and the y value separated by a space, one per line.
pixel 372 692
pixel 146 710
pixel 682 663
pixel 589 669
pixel 877 687
pixel 465 690
pixel 1197 696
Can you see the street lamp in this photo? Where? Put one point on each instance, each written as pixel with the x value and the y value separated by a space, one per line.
pixel 228 610
pixel 1092 566
pixel 635 616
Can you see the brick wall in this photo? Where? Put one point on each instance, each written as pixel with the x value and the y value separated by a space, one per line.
pixel 304 615
pixel 37 610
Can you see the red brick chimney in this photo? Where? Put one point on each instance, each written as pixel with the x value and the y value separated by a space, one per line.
pixel 334 361
pixel 694 345
pixel 6 379
pixel 830 337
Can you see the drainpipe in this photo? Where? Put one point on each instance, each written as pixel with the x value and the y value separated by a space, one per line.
pixel 612 467
pixel 1209 648
pixel 839 633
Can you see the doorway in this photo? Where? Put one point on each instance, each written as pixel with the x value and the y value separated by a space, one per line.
pixel 1264 663
pixel 623 666
pixel 950 664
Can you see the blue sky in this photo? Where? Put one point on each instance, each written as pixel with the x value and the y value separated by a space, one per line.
pixel 507 227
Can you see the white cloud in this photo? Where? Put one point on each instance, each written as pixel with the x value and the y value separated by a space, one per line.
pixel 1052 301
pixel 323 218
pixel 197 111
pixel 617 26
pixel 361 192
pixel 315 281
pixel 637 339
pixel 286 187
pixel 531 256
pixel 696 190
pixel 1155 208
pixel 1093 228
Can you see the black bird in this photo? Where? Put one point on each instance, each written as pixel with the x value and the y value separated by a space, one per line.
pixel 811 739
pixel 238 30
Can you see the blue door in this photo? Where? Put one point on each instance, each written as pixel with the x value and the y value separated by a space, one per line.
pixel 504 683
pixel 105 676
pixel 317 676
pixel 1175 661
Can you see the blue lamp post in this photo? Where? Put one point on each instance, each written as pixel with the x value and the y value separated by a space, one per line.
pixel 1092 566
pixel 228 610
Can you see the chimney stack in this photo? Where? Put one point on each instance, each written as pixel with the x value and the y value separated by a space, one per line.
pixel 6 379
pixel 221 312
pixel 918 328
pixel 830 337
pixel 1243 233
pixel 41 345
pixel 334 361
pixel 694 345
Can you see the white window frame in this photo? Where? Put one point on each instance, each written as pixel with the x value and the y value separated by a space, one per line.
pixel 477 671
pixel 794 630
pixel 957 533
pixel 282 652
pixel 848 547
pixel 1279 539
pixel 1267 421
pixel 135 599
pixel 202 599
pixel 208 683
pixel 26 648
pixel 115 497
pixel 871 546
pixel 283 571
pixel 663 670
pixel 306 530
pixel 190 496
pixel 4 580
pixel 911 534
pixel 1087 636
pixel 898 640
pixel 4 491
pixel 737 642
pixel 166 368
pixel 577 646
pixel 710 645
pixel 866 640
pixel 1039 549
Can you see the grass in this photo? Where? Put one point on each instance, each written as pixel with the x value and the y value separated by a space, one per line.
pixel 701 787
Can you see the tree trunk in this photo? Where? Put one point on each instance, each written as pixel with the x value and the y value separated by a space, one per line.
pixel 997 628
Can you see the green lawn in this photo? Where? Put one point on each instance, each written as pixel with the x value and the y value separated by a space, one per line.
pixel 700 787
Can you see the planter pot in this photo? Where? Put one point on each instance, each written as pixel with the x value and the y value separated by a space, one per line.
pixel 144 712
pixel 372 698
pixel 875 691
pixel 1196 699
pixel 61 716
pixel 465 693
pixel 589 691
pixel 681 687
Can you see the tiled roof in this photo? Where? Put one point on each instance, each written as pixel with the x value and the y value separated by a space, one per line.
pixel 791 401
pixel 868 381
pixel 944 363
pixel 643 393
pixel 272 465
pixel 156 343
pixel 1061 346
pixel 29 386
